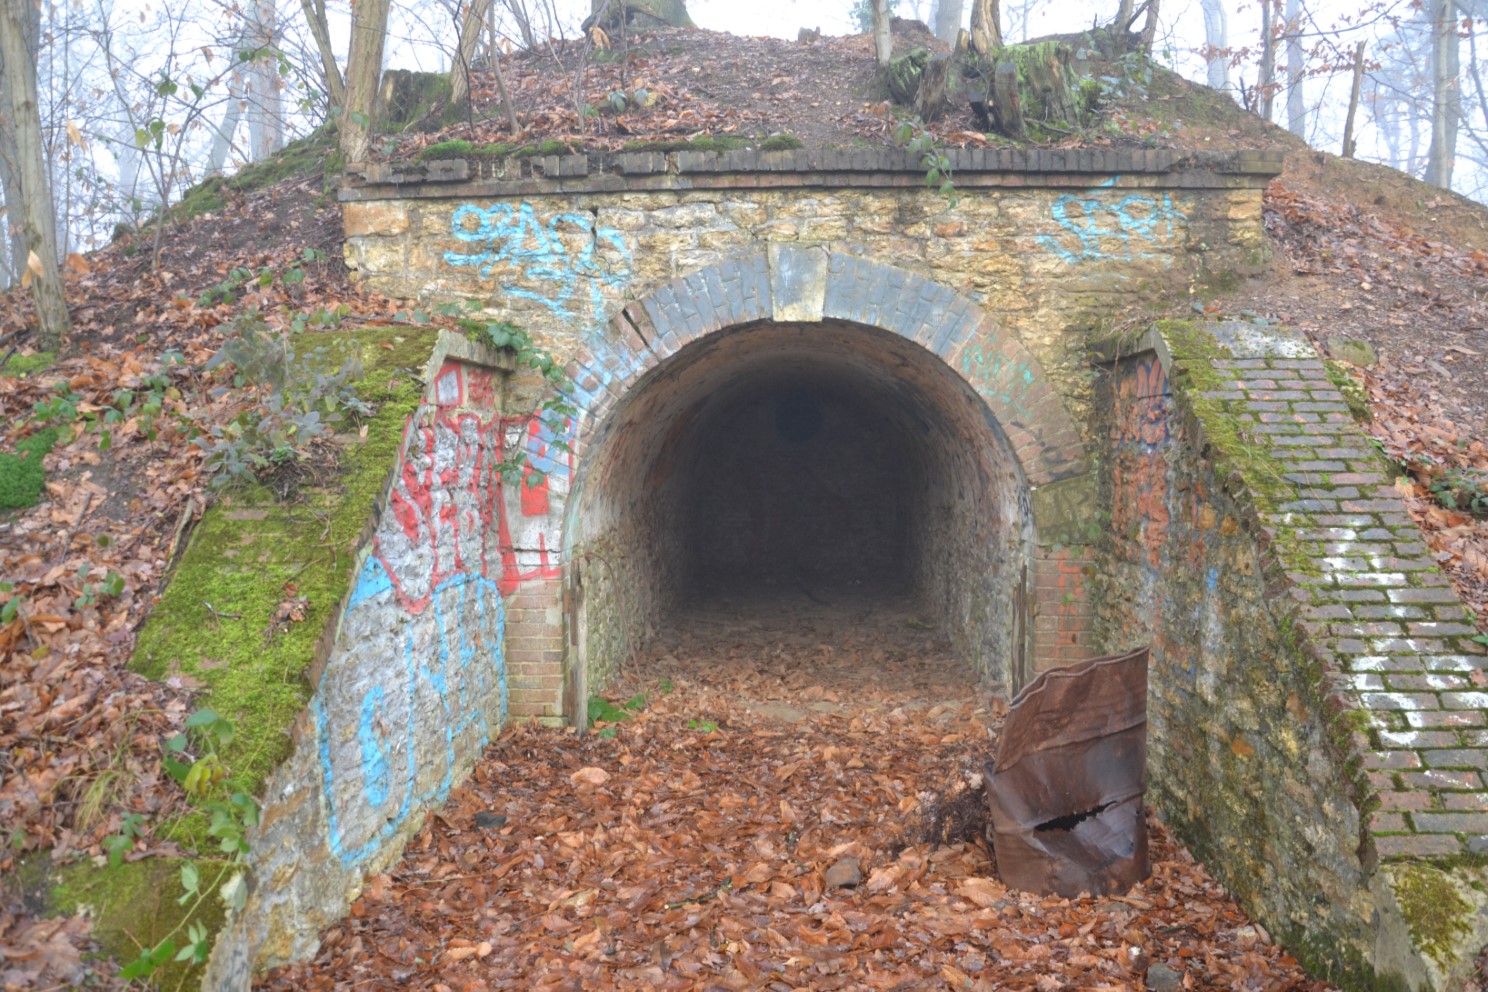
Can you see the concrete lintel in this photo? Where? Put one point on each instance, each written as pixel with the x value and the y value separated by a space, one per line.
pixel 798 282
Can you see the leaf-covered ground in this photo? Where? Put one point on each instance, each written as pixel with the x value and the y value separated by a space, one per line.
pixel 697 847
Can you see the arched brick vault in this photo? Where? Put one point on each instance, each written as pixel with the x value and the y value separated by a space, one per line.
pixel 1021 417
pixel 791 283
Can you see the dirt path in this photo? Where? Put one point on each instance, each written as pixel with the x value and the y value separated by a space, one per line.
pixel 696 847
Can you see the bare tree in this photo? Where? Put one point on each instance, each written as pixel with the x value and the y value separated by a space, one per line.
pixel 363 74
pixel 315 17
pixel 10 166
pixel 1446 93
pixel 883 39
pixel 472 19
pixel 986 27
pixel 37 220
pixel 948 20
pixel 1296 99
pixel 1216 43
pixel 266 109
pixel 1266 80
pixel 1126 16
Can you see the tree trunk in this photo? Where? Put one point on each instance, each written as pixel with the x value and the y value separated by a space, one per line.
pixel 1353 107
pixel 1004 102
pixel 883 39
pixel 37 223
pixel 1446 94
pixel 266 114
pixel 473 17
pixel 986 31
pixel 1149 29
pixel 1296 102
pixel 315 16
pixel 363 74
pixel 222 136
pixel 948 20
pixel 519 14
pixel 1266 82
pixel 10 166
pixel 1216 41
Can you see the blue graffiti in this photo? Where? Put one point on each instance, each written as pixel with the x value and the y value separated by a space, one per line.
pixel 998 377
pixel 1098 228
pixel 373 738
pixel 548 268
pixel 421 701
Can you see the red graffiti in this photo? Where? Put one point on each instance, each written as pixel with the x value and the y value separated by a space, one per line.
pixel 449 505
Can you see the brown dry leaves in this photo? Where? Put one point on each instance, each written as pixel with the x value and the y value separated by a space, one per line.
pixel 672 858
pixel 80 735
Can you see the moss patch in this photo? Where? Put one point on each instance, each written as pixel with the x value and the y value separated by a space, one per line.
pixel 311 155
pixel 21 474
pixel 134 905
pixel 24 365
pixel 780 143
pixel 1434 910
pixel 1194 351
pixel 216 618
pixel 1343 377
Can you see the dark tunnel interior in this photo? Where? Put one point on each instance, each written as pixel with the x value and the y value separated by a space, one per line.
pixel 829 462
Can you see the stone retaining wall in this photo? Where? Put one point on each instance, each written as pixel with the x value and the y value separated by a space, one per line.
pixel 1298 623
pixel 414 678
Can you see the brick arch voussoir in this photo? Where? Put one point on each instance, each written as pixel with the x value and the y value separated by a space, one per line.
pixel 809 283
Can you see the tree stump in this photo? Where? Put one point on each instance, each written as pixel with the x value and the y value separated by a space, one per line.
pixel 642 14
pixel 1036 84
pixel 934 96
pixel 1004 101
pixel 903 75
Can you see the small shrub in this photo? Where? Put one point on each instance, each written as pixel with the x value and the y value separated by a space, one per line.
pixel 271 441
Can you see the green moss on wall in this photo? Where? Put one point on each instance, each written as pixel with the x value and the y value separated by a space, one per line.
pixel 216 620
pixel 1434 910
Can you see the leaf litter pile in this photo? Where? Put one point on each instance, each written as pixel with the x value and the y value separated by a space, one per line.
pixel 757 820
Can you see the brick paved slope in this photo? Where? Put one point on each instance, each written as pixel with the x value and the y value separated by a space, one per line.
pixel 1373 600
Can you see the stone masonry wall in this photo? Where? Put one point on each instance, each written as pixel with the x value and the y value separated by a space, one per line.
pixel 1042 247
pixel 437 641
pixel 1297 622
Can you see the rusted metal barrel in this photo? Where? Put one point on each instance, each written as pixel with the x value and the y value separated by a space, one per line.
pixel 1065 789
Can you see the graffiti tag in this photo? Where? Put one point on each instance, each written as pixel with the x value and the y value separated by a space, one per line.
pixel 1094 227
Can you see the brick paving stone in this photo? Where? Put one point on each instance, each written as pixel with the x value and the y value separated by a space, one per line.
pixel 1416 845
pixel 1437 778
pixel 1427 719
pixel 1419 738
pixel 1394 759
pixel 1451 823
pixel 1460 757
pixel 1427 683
pixel 1407 700
pixel 1408 800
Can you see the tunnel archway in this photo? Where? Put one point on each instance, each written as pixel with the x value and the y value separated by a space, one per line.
pixel 829 460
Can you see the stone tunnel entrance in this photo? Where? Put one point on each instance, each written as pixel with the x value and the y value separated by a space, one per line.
pixel 774 463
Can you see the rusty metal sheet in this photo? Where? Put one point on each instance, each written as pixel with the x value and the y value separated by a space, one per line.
pixel 1065 790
